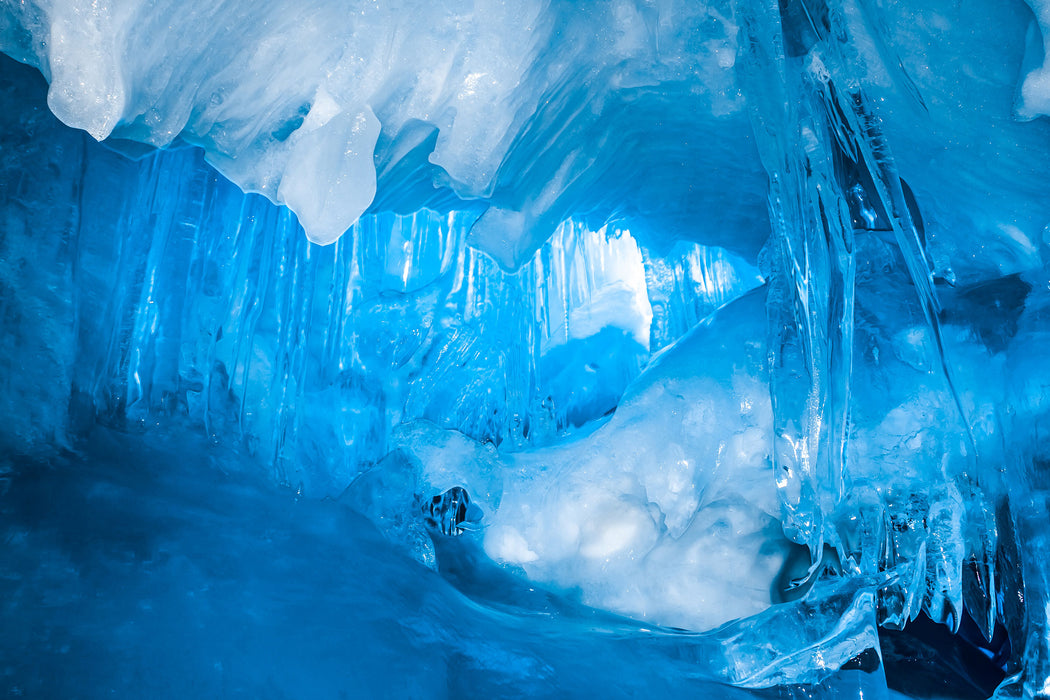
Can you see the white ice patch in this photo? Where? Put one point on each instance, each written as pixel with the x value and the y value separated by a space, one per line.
pixel 506 544
pixel 330 178
pixel 87 88
pixel 594 280
pixel 1035 90
pixel 667 512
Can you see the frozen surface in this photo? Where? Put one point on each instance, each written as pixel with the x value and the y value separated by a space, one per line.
pixel 139 569
pixel 662 513
pixel 485 99
pixel 729 319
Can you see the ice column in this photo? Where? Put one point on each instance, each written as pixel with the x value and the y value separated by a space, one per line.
pixel 803 141
pixel 832 176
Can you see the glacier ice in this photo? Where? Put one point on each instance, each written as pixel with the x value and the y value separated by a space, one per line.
pixel 496 85
pixel 727 318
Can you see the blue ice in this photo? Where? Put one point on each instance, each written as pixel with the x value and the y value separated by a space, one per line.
pixel 542 348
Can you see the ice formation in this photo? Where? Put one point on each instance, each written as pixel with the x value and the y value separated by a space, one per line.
pixel 727 317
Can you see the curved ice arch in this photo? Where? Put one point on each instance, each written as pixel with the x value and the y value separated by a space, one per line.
pixel 290 101
pixel 490 101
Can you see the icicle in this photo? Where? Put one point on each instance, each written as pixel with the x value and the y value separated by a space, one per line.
pixel 979 575
pixel 810 255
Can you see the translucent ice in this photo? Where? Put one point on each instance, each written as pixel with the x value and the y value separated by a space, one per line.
pixel 534 356
pixel 667 512
pixel 291 106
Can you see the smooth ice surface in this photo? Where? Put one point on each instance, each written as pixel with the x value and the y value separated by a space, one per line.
pixel 166 567
pixel 727 316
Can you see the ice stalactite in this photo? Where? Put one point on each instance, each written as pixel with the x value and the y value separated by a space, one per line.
pixel 811 266
pixel 194 300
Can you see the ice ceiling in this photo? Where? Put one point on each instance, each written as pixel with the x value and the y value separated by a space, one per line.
pixel 727 315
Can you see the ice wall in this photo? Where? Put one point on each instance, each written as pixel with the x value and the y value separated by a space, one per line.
pixel 193 299
pixel 837 97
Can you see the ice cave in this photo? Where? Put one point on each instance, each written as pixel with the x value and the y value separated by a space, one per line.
pixel 525 348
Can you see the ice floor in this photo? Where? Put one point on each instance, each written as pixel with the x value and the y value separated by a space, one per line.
pixel 162 567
